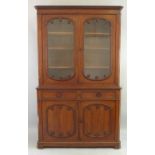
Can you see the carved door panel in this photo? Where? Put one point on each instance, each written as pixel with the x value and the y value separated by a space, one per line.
pixel 97 120
pixel 60 121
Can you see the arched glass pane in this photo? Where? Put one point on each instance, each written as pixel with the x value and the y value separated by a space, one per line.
pixel 97 42
pixel 60 49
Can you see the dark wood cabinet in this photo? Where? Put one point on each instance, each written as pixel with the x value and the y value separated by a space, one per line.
pixel 78 92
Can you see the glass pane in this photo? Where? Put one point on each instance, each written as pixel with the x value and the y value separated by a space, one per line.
pixel 97 38
pixel 60 49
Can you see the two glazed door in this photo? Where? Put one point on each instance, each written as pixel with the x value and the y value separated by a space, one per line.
pixel 78 49
pixel 72 120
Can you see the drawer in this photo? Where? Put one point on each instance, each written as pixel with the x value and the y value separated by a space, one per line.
pixel 104 95
pixel 49 95
pixel 79 95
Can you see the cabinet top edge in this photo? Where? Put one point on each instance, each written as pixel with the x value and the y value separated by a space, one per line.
pixel 77 7
pixel 93 88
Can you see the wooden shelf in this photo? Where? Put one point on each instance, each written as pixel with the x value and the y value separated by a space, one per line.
pixel 60 33
pixel 60 48
pixel 96 48
pixel 96 34
pixel 70 67
pixel 87 33
pixel 60 67
pixel 97 67
pixel 70 48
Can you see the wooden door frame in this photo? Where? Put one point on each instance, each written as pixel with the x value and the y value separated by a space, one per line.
pixel 46 79
pixel 111 79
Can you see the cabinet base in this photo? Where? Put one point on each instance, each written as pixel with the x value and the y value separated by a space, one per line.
pixel 115 145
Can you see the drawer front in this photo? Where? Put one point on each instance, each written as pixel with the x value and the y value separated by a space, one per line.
pixel 58 95
pixel 103 95
pixel 80 95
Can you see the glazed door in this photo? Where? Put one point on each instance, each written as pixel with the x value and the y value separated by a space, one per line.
pixel 97 120
pixel 60 121
pixel 59 49
pixel 98 49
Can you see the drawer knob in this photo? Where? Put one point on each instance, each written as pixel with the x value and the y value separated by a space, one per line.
pixel 98 94
pixel 79 96
pixel 58 95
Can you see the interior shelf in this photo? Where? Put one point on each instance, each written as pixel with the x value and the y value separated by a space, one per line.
pixel 97 67
pixel 70 48
pixel 60 33
pixel 60 48
pixel 96 34
pixel 60 67
pixel 96 48
pixel 70 67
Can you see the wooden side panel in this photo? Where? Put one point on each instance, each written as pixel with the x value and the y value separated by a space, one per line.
pixel 40 46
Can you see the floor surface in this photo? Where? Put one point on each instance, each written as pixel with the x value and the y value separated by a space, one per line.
pixel 33 150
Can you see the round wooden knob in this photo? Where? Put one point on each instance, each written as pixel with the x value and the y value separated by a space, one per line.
pixel 79 96
pixel 98 94
pixel 59 95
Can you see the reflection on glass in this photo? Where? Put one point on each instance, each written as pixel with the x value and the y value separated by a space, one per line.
pixel 97 37
pixel 60 49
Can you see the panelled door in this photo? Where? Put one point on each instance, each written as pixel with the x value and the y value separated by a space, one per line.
pixel 97 120
pixel 60 120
